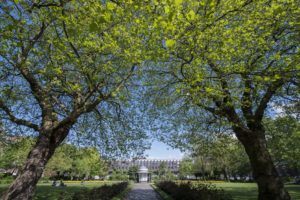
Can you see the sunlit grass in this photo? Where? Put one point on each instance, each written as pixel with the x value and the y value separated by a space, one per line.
pixel 46 191
pixel 247 191
pixel 239 191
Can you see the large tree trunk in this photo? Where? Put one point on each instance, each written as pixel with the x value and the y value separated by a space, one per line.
pixel 23 187
pixel 270 185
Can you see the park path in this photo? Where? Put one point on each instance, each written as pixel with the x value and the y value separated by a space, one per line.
pixel 142 191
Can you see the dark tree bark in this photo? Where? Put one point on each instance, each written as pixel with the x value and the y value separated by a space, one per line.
pixel 270 185
pixel 225 174
pixel 23 187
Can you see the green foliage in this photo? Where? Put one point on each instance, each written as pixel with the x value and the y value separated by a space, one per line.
pixel 164 173
pixel 46 191
pixel 186 168
pixel 161 193
pixel 105 192
pixel 61 161
pixel 89 163
pixel 78 162
pixel 162 169
pixel 15 153
pixel 6 179
pixel 69 58
pixel 192 191
pixel 132 173
pixel 221 155
pixel 118 175
pixel 283 136
pixel 67 158
pixel 223 63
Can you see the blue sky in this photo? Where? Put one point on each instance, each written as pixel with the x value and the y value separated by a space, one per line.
pixel 160 150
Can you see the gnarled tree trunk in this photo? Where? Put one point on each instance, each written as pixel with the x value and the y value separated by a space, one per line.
pixel 270 185
pixel 23 187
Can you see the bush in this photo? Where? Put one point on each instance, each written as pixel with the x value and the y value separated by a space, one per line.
pixel 105 192
pixel 192 191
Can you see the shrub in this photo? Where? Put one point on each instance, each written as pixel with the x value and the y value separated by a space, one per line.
pixel 105 192
pixel 193 191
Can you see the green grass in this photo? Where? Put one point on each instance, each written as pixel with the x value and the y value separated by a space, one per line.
pixel 45 191
pixel 239 191
pixel 248 191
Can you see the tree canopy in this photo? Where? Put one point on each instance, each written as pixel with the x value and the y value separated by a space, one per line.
pixel 63 59
pixel 67 67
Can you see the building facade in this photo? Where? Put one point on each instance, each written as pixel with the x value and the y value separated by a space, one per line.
pixel 151 164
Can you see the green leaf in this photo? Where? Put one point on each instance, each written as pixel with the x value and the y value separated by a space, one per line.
pixel 191 15
pixel 170 43
pixel 110 6
pixel 93 27
pixel 178 2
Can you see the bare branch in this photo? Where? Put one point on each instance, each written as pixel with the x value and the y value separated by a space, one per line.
pixel 16 120
pixel 37 90
pixel 88 107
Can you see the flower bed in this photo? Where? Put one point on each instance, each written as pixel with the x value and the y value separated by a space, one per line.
pixel 192 191
pixel 106 192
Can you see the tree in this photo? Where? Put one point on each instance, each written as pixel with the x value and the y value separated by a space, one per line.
pixel 15 152
pixel 78 162
pixel 222 155
pixel 226 61
pixel 164 173
pixel 61 161
pixel 88 163
pixel 185 168
pixel 61 61
pixel 2 143
pixel 119 175
pixel 133 173
pixel 283 139
pixel 162 170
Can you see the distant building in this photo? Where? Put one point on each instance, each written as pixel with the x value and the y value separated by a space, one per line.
pixel 150 164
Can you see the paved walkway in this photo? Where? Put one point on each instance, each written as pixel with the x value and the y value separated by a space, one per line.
pixel 142 191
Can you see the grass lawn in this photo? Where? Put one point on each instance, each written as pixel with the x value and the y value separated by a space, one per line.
pixel 47 192
pixel 248 191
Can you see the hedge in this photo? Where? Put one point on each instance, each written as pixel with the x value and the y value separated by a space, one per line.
pixel 192 191
pixel 106 192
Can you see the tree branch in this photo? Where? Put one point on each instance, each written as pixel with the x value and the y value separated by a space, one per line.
pixel 88 107
pixel 15 119
pixel 246 101
pixel 226 106
pixel 38 92
pixel 266 99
